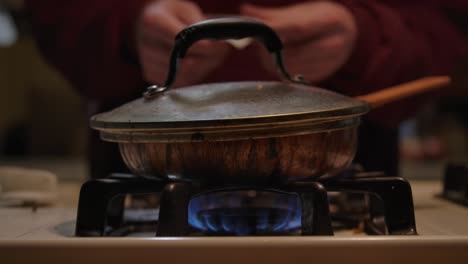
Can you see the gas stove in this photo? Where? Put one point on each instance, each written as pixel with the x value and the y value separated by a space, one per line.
pixel 369 201
pixel 131 224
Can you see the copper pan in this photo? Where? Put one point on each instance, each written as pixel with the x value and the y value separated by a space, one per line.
pixel 242 132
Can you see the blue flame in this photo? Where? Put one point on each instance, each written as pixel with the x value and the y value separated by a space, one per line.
pixel 245 212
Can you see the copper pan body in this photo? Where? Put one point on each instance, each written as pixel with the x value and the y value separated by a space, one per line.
pixel 262 160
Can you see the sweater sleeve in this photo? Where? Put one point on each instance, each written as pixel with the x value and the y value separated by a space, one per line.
pixel 90 42
pixel 400 41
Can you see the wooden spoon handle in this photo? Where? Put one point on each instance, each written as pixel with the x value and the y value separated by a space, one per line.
pixel 398 92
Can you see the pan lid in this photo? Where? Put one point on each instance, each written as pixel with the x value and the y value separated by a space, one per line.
pixel 223 111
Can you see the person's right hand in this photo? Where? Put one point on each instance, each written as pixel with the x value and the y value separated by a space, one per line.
pixel 159 24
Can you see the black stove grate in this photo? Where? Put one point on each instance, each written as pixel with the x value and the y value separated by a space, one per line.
pixel 455 183
pixel 101 209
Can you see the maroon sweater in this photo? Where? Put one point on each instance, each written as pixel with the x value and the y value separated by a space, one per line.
pixel 399 40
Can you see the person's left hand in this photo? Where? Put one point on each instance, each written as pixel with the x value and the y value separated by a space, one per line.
pixel 318 36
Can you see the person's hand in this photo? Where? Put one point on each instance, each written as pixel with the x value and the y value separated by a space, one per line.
pixel 318 36
pixel 159 24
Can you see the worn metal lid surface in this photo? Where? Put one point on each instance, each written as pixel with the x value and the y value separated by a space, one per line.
pixel 218 111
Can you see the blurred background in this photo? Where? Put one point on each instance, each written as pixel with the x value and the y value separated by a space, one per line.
pixel 43 119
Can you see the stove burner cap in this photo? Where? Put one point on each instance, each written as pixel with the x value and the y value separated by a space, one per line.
pixel 246 212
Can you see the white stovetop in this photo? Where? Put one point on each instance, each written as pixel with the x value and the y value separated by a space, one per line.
pixel 47 235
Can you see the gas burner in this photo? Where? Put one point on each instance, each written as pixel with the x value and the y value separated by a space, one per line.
pixel 375 204
pixel 245 212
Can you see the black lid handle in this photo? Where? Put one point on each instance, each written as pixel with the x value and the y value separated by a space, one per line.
pixel 220 29
pixel 227 28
